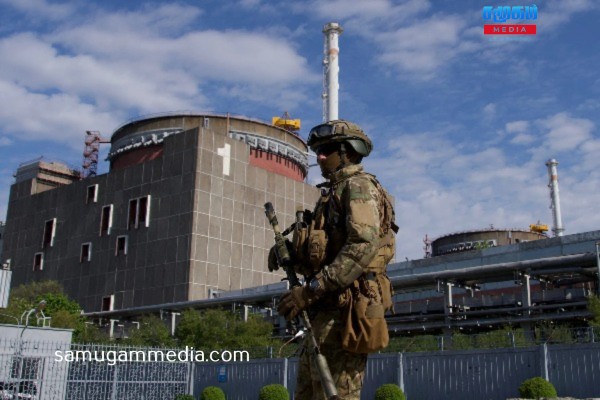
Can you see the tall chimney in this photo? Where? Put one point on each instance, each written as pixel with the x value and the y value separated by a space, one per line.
pixel 331 70
pixel 555 199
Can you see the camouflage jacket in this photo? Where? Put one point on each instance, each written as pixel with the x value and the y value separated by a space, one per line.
pixel 357 216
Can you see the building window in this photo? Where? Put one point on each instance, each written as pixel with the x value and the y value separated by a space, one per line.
pixel 139 213
pixel 49 232
pixel 108 302
pixel 91 194
pixel 38 261
pixel 86 252
pixel 121 246
pixel 106 220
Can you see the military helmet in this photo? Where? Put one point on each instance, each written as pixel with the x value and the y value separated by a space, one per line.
pixel 338 131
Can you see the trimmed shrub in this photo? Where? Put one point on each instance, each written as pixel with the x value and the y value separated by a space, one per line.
pixel 184 397
pixel 389 391
pixel 273 392
pixel 537 387
pixel 212 393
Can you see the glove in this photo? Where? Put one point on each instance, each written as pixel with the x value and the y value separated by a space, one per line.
pixel 272 260
pixel 296 300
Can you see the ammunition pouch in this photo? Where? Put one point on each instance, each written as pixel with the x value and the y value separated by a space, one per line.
pixel 299 243
pixel 317 238
pixel 317 245
pixel 363 315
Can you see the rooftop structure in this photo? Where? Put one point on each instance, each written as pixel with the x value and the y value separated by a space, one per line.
pixel 45 175
pixel 478 239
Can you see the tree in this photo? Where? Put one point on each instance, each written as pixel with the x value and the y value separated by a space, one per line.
pixel 594 308
pixel 218 329
pixel 152 332
pixel 65 312
pixel 25 297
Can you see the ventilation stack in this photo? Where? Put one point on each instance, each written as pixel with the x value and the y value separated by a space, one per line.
pixel 331 71
pixel 554 197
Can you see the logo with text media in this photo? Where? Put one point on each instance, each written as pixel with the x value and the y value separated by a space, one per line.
pixel 516 16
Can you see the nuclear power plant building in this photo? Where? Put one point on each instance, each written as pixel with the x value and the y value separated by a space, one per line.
pixel 178 217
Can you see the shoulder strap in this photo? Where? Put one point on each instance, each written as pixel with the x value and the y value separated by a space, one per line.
pixel 389 215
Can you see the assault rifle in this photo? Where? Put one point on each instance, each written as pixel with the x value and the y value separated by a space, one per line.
pixel 286 261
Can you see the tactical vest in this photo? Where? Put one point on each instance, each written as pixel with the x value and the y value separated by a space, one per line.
pixel 364 303
pixel 327 232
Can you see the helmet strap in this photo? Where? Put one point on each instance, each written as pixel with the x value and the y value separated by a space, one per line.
pixel 343 156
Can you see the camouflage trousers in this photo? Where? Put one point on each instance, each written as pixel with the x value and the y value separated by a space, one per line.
pixel 347 369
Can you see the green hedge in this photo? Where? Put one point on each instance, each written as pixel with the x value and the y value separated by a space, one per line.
pixel 389 391
pixel 273 392
pixel 537 387
pixel 212 393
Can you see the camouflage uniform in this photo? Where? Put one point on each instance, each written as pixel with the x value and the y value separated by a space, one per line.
pixel 347 369
pixel 343 256
pixel 351 209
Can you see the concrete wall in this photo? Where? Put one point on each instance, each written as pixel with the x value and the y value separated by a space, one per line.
pixel 231 235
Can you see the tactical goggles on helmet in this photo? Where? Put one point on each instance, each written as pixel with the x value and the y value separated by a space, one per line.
pixel 321 132
pixel 340 131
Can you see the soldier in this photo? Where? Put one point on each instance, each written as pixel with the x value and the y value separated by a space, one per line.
pixel 344 257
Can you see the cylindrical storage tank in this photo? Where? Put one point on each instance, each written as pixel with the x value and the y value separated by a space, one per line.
pixel 473 240
pixel 271 148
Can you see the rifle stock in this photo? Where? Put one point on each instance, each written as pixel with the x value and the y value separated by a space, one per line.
pixel 286 262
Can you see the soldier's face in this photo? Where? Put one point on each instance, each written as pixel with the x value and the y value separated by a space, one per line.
pixel 328 158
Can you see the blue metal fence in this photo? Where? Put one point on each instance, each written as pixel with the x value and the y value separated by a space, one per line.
pixel 461 374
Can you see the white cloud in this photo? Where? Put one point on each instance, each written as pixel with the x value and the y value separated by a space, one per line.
pixel 517 126
pixel 489 110
pixel 565 133
pixel 591 159
pixel 441 186
pixel 133 40
pixel 41 8
pixel 358 10
pixel 520 130
pixel 118 83
pixel 409 40
pixel 56 117
pixel 102 67
pixel 425 46
pixel 557 12
pixel 418 44
pixel 523 138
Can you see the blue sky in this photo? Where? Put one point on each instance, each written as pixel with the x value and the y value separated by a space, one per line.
pixel 462 124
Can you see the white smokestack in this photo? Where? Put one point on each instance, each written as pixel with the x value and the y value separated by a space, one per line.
pixel 331 70
pixel 555 204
